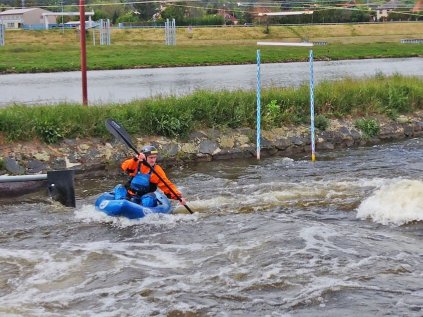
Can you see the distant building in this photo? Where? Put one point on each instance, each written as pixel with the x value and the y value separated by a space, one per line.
pixel 227 16
pixel 383 10
pixel 347 4
pixel 418 7
pixel 259 13
pixel 20 18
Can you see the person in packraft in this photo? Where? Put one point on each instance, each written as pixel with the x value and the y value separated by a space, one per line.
pixel 143 181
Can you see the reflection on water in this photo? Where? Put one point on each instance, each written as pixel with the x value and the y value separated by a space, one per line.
pixel 279 237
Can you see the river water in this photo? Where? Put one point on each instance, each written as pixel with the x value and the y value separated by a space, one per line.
pixel 118 86
pixel 342 236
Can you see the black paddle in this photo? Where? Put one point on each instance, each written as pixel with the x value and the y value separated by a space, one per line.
pixel 119 132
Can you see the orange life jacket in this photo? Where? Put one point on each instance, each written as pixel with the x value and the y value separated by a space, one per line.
pixel 130 167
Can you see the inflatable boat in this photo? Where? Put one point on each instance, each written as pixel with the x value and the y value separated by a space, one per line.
pixel 114 204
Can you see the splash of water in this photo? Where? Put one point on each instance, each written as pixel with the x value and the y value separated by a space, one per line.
pixel 396 203
pixel 88 214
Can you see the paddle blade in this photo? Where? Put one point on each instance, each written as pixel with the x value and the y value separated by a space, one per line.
pixel 120 133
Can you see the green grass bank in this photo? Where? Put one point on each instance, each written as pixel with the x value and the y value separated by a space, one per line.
pixel 54 50
pixel 176 117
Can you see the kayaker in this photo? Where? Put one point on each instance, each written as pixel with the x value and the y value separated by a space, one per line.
pixel 144 182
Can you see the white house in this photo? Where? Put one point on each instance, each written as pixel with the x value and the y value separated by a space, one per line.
pixel 383 10
pixel 17 18
pixel 47 16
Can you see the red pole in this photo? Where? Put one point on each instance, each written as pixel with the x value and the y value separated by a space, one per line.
pixel 83 52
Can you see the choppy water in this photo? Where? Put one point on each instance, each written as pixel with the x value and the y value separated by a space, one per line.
pixel 281 237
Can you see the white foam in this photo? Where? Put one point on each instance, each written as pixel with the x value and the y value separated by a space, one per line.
pixel 88 214
pixel 317 287
pixel 396 203
pixel 249 197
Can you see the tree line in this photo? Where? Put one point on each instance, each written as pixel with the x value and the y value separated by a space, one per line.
pixel 219 12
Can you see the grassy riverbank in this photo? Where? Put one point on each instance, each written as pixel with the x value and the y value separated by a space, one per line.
pixel 177 117
pixel 54 50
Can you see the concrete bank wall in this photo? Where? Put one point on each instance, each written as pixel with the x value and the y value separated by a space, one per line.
pixel 90 155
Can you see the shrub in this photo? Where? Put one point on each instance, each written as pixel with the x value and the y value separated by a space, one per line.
pixel 321 122
pixel 172 126
pixel 271 114
pixel 398 99
pixel 50 132
pixel 369 127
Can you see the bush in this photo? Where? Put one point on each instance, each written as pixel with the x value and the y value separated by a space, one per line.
pixel 171 126
pixel 398 100
pixel 369 127
pixel 271 114
pixel 49 131
pixel 321 122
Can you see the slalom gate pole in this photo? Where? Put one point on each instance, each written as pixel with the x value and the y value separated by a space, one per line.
pixel 258 104
pixel 304 44
pixel 313 154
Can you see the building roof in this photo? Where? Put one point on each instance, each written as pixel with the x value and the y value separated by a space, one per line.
pixel 347 4
pixel 392 4
pixel 257 10
pixel 418 6
pixel 17 11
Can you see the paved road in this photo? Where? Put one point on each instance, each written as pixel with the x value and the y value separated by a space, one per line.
pixel 124 85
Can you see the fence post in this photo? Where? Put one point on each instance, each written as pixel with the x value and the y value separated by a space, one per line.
pixel 170 32
pixel 104 29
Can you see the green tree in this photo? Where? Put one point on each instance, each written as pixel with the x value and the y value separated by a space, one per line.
pixel 174 12
pixel 128 17
pixel 145 11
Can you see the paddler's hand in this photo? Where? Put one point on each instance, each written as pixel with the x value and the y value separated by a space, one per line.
pixel 141 157
pixel 183 201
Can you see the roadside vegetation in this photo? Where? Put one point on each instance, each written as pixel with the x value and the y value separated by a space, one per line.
pixel 176 117
pixel 57 50
pixel 228 12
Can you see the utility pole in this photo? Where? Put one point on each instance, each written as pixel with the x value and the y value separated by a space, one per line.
pixel 63 25
pixel 83 52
